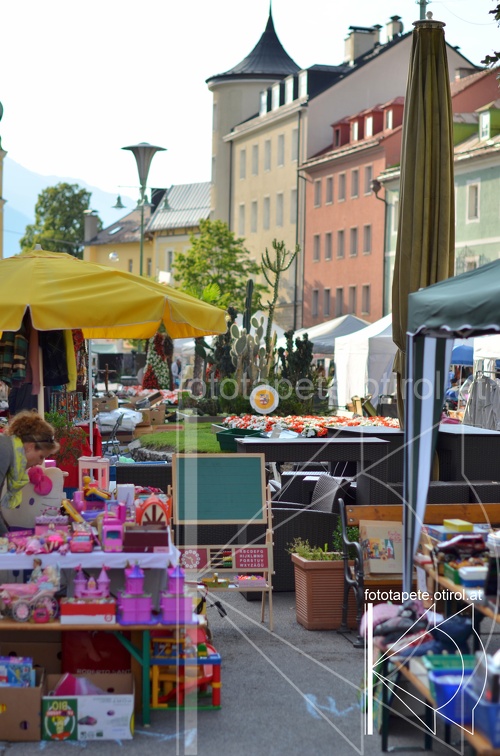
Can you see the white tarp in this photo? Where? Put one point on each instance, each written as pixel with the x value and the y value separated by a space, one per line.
pixel 324 335
pixel 363 362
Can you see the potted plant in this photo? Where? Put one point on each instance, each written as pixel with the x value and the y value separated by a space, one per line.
pixel 319 585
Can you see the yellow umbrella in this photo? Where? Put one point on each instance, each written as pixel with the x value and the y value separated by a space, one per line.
pixel 425 249
pixel 62 292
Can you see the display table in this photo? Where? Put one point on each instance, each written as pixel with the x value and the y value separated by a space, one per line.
pixel 407 669
pixel 158 560
pixel 139 647
pixel 369 454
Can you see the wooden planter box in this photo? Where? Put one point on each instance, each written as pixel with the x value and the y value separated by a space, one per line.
pixel 319 592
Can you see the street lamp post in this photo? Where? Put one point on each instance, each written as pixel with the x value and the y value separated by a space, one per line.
pixel 143 153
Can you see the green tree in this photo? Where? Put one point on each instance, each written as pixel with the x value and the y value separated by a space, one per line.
pixel 491 60
pixel 217 256
pixel 59 220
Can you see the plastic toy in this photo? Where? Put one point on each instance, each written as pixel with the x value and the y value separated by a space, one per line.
pixel 91 492
pixel 91 588
pixel 153 511
pixel 175 606
pixel 34 600
pixel 134 606
pixel 96 469
pixel 112 534
pixel 178 667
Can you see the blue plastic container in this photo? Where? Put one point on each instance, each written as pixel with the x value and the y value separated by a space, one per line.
pixel 486 717
pixel 451 701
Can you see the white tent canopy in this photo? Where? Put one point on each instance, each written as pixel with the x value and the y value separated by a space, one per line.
pixel 324 335
pixel 185 347
pixel 363 362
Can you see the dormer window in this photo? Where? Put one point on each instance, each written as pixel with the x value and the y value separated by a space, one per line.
pixel 336 137
pixel 389 119
pixel 369 126
pixel 484 126
pixel 303 84
pixel 263 103
pixel 355 131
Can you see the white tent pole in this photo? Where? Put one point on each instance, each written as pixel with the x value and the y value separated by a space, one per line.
pixel 90 391
pixel 41 393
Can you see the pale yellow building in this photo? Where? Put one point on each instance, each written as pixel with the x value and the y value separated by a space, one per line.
pixel 2 201
pixel 168 224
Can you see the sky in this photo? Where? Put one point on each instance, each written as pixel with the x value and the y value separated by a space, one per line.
pixel 80 80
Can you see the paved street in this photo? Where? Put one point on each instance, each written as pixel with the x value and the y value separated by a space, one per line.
pixel 290 692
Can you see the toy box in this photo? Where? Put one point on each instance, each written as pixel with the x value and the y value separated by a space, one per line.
pixel 20 711
pixel 16 671
pixel 94 717
pixel 382 546
pixel 84 612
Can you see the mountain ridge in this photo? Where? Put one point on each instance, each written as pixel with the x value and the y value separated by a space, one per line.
pixel 21 188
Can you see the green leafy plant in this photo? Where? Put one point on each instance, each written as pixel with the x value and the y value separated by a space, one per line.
pixel 70 437
pixel 304 549
pixel 352 535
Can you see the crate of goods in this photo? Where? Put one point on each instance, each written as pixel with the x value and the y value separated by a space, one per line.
pixel 227 438
pixel 475 575
pixel 442 664
pixel 486 717
pixel 107 714
pixel 451 701
pixel 451 573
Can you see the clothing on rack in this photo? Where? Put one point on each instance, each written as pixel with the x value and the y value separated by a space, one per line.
pixel 483 406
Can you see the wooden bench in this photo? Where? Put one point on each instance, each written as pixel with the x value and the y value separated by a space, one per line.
pixel 352 515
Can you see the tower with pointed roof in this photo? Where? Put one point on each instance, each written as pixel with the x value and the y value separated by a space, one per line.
pixel 235 95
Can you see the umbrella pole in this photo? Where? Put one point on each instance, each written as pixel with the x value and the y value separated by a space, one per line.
pixel 90 393
pixel 41 393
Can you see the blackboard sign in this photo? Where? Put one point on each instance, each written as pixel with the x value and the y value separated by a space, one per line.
pixel 219 488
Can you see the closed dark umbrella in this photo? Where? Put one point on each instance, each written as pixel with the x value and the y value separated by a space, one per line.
pixel 425 250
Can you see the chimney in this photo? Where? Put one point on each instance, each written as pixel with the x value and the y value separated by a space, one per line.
pixel 394 27
pixel 90 225
pixel 360 40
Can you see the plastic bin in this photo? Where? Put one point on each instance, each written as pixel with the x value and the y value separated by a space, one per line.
pixel 486 717
pixel 450 698
pixel 227 438
pixel 443 664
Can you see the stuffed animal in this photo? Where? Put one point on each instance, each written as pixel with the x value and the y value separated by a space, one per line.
pixel 40 482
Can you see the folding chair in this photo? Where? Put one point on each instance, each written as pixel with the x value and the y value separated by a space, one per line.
pixel 111 445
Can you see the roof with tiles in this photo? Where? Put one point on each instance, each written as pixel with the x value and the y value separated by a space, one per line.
pixel 185 206
pixel 125 230
pixel 458 85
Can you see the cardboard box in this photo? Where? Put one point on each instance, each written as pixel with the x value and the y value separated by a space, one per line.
pixel 82 612
pixel 20 710
pixel 93 717
pixel 382 546
pixel 105 403
pixel 157 415
pixel 146 418
pixel 45 655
